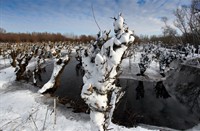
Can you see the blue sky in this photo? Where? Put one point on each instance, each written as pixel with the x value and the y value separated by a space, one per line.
pixel 75 16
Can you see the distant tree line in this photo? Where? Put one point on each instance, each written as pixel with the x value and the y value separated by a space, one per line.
pixel 41 37
pixel 187 21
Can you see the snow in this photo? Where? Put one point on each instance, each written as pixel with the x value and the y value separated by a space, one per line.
pixel 23 109
pixel 56 70
pixel 7 75
pixel 118 23
pixel 21 106
pixel 4 62
pixel 100 64
pixel 97 118
pixel 130 70
pixel 195 128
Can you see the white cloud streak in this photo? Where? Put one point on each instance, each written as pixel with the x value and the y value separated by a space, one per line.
pixel 75 16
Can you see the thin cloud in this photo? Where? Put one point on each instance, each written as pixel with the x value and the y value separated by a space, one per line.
pixel 70 16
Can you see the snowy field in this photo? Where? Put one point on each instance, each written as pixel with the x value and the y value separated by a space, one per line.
pixel 22 108
pixel 130 68
pixel 4 62
pixel 26 107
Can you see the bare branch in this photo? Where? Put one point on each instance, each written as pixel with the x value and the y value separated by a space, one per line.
pixel 95 18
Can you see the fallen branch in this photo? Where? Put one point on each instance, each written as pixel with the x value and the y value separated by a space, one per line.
pixel 45 119
pixel 33 122
pixel 54 112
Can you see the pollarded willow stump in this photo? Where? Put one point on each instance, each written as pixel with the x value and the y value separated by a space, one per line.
pixel 101 64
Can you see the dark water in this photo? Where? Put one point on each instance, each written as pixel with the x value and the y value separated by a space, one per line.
pixel 70 79
pixel 46 75
pixel 151 103
pixel 165 103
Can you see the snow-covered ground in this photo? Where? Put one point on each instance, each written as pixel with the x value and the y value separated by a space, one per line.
pixel 130 68
pixel 4 62
pixel 6 76
pixel 22 108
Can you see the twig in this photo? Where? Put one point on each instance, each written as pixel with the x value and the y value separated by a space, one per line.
pixel 45 119
pixel 9 122
pixel 54 111
pixel 95 18
pixel 30 116
pixel 34 122
pixel 4 62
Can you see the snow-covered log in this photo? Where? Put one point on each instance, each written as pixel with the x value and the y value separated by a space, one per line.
pixel 59 64
pixel 101 63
